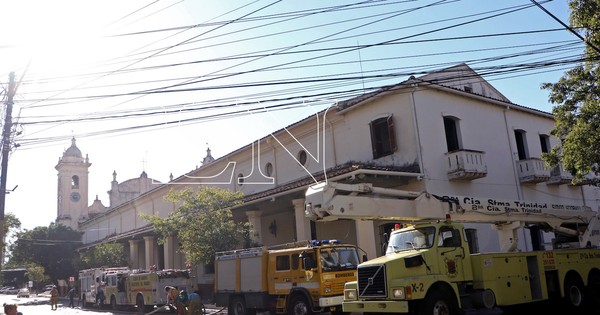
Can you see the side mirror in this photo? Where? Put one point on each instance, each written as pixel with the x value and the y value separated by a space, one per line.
pixel 364 258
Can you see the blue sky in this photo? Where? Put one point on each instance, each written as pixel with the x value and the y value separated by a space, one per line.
pixel 149 85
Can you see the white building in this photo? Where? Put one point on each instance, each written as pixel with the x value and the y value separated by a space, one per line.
pixel 448 132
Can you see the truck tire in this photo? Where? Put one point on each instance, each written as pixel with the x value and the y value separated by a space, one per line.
pixel 237 306
pixel 437 302
pixel 299 306
pixel 574 294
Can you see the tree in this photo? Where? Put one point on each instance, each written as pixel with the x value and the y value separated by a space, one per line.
pixel 53 247
pixel 203 222
pixel 37 274
pixel 104 255
pixel 577 100
pixel 11 225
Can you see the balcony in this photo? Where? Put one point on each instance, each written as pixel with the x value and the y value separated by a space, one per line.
pixel 559 176
pixel 532 171
pixel 466 165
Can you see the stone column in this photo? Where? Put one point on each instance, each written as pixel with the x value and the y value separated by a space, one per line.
pixel 169 252
pixel 150 249
pixel 134 253
pixel 254 217
pixel 365 237
pixel 302 222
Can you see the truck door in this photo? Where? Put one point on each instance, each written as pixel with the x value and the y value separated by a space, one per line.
pixel 281 280
pixel 452 252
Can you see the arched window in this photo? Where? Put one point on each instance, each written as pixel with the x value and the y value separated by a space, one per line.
pixel 75 182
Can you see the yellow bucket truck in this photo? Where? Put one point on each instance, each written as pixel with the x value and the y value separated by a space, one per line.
pixel 432 266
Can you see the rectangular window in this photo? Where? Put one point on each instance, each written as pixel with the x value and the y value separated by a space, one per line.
pixel 282 263
pixel 451 129
pixel 545 143
pixel 383 137
pixel 521 144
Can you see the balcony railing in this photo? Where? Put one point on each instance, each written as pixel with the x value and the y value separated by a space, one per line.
pixel 559 176
pixel 466 164
pixel 532 171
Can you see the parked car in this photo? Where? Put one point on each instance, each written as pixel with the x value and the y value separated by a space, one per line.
pixel 13 290
pixel 6 289
pixel 23 293
pixel 48 288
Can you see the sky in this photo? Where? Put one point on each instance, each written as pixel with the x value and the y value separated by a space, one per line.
pixel 149 85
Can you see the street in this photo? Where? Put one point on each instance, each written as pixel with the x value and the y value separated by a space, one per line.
pixel 40 306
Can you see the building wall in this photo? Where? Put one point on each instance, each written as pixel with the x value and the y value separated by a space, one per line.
pixel 338 137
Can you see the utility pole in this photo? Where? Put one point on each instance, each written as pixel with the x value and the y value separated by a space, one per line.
pixel 5 150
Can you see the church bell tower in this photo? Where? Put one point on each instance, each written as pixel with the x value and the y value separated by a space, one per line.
pixel 72 193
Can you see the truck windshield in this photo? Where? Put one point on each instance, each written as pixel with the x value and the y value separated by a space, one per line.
pixel 338 258
pixel 411 239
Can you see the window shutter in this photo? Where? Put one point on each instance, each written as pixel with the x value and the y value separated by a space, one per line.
pixel 392 134
pixel 373 140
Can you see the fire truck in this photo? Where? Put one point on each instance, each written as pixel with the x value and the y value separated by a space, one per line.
pixel 432 266
pixel 92 280
pixel 142 289
pixel 145 289
pixel 294 278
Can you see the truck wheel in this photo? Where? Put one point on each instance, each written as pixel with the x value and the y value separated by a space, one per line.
pixel 437 302
pixel 299 306
pixel 237 306
pixel 574 294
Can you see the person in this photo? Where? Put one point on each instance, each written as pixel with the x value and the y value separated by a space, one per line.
pixel 100 296
pixel 194 304
pixel 191 303
pixel 11 309
pixel 54 298
pixel 173 299
pixel 72 297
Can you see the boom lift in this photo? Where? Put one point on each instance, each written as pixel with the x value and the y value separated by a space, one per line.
pixel 430 268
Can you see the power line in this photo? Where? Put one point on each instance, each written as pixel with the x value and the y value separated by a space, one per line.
pixel 566 26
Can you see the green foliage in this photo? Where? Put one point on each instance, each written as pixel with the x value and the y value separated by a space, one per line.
pixel 53 247
pixel 9 227
pixel 36 273
pixel 203 222
pixel 104 255
pixel 577 100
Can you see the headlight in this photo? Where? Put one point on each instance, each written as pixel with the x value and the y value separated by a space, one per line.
pixel 327 290
pixel 350 295
pixel 399 293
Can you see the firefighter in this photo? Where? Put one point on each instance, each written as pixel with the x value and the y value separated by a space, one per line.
pixel 191 302
pixel 54 298
pixel 173 299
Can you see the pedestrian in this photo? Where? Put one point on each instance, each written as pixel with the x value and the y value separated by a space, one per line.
pixel 54 298
pixel 11 309
pixel 71 297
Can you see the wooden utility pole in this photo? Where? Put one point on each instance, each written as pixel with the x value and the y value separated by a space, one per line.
pixel 5 151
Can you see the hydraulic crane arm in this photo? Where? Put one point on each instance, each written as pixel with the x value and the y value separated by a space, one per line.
pixel 334 201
